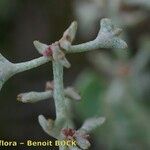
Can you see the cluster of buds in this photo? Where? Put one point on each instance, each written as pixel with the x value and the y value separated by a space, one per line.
pixel 56 51
pixel 79 136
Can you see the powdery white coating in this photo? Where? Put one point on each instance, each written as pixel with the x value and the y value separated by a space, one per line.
pixel 32 97
pixel 92 123
pixel 6 70
pixel 59 96
pixel 107 38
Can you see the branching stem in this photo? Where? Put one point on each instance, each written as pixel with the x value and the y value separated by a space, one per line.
pixel 20 67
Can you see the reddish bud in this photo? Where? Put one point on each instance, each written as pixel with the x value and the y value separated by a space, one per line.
pixel 48 52
pixel 68 132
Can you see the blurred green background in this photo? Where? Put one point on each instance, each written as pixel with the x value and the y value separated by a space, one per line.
pixel 113 83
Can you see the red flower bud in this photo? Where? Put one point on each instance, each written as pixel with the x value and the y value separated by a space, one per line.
pixel 48 52
pixel 68 132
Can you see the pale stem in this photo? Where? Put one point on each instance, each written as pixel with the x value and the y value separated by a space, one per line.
pixel 102 41
pixel 20 67
pixel 59 97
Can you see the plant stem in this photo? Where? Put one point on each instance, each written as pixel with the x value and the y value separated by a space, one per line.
pixel 59 97
pixel 20 67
